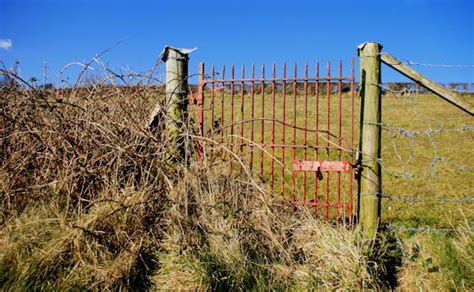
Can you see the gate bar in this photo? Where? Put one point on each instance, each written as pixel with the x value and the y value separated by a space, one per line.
pixel 262 130
pixel 232 89
pixel 328 121
pixel 242 95
pixel 295 88
pixel 339 140
pixel 305 149
pixel 252 115
pixel 200 114
pixel 291 79
pixel 316 140
pixel 283 96
pixel 352 140
pixel 222 105
pixel 272 171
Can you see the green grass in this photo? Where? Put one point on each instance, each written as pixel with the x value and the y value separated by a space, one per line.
pixel 438 261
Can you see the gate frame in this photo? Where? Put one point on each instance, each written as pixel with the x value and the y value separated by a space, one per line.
pixel 316 166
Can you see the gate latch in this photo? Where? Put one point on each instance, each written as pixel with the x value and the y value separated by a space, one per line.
pixel 321 166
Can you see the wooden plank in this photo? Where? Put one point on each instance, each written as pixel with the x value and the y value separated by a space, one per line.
pixel 441 91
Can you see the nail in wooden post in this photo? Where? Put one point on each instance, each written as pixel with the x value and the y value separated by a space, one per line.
pixel 371 118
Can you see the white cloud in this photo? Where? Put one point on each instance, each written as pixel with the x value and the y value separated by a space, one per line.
pixel 5 44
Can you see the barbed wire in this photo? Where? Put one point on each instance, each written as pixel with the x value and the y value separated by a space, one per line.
pixel 425 198
pixel 410 91
pixel 408 62
pixel 461 91
pixel 406 144
pixel 432 229
pixel 414 133
pixel 396 131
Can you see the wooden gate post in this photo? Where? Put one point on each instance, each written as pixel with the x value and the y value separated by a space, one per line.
pixel 176 99
pixel 371 117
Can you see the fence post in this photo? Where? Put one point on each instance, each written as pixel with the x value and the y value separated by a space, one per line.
pixel 176 101
pixel 371 117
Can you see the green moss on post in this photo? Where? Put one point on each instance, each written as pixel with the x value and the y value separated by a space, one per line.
pixel 176 98
pixel 371 117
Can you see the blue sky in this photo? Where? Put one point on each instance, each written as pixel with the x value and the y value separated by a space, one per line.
pixel 59 32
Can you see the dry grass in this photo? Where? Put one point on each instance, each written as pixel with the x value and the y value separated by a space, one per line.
pixel 225 234
pixel 208 231
pixel 78 174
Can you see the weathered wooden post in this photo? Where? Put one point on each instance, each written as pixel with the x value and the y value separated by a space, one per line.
pixel 371 117
pixel 175 98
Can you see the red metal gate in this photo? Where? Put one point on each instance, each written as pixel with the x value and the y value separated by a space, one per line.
pixel 279 128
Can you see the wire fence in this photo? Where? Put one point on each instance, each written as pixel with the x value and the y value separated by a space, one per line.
pixel 411 63
pixel 430 155
pixel 426 198
pixel 459 87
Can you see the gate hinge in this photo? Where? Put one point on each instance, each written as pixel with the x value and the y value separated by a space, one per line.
pixel 357 165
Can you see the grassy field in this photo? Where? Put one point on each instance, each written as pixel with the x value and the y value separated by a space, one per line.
pixel 90 199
